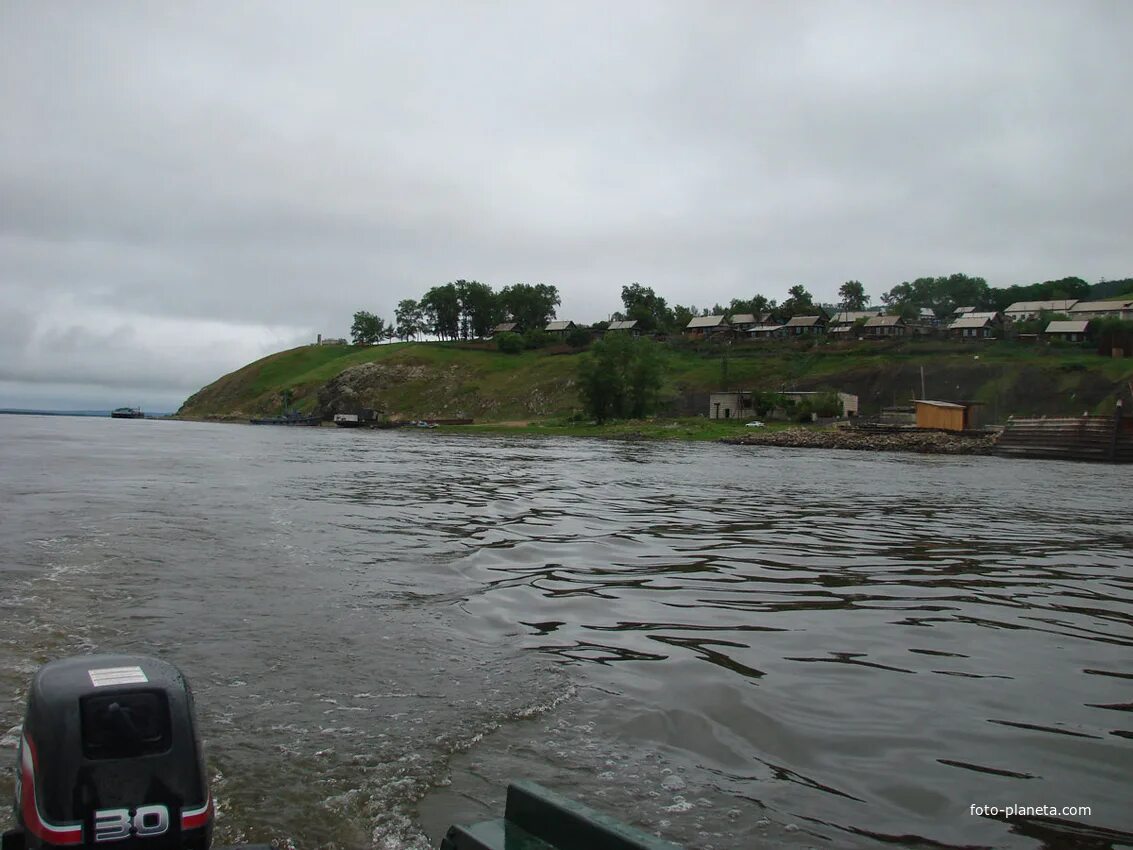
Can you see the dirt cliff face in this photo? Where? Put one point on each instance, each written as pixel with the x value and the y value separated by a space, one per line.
pixel 400 390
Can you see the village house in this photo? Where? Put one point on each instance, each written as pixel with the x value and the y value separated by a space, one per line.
pixel 806 325
pixel 506 328
pixel 706 326
pixel 1072 330
pixel 882 327
pixel 927 317
pixel 560 328
pixel 947 415
pixel 743 322
pixel 981 326
pixel 1021 311
pixel 850 317
pixel 1102 310
pixel 626 326
pixel 841 332
pixel 767 332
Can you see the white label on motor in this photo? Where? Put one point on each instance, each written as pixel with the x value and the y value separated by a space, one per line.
pixel 120 824
pixel 117 676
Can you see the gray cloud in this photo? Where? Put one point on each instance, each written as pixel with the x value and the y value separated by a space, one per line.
pixel 258 171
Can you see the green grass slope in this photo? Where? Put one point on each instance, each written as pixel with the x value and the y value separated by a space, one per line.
pixel 449 380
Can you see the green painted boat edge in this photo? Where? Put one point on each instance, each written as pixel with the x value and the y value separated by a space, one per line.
pixel 537 818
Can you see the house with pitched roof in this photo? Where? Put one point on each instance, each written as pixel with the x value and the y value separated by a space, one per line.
pixel 706 326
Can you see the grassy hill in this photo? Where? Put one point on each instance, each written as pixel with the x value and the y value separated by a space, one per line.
pixel 448 380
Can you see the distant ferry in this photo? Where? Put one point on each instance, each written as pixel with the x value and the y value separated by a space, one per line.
pixel 127 413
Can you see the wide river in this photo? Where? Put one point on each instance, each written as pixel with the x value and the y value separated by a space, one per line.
pixel 734 647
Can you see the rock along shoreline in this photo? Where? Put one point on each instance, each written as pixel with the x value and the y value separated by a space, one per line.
pixel 923 442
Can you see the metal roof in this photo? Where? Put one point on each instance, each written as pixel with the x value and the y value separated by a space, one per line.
pixel 850 316
pixel 1101 306
pixel 981 321
pixel 883 321
pixel 559 326
pixel 764 329
pixel 706 322
pixel 743 319
pixel 1068 327
pixel 504 327
pixel 952 405
pixel 626 325
pixel 803 321
pixel 1039 306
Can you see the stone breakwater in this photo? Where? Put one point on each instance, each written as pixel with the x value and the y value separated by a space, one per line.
pixel 925 442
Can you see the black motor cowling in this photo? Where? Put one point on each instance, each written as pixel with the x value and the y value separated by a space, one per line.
pixel 110 757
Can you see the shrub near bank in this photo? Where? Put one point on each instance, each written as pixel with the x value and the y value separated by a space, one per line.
pixel 621 377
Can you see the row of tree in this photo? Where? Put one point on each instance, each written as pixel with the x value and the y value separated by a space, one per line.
pixel 463 309
pixel 468 309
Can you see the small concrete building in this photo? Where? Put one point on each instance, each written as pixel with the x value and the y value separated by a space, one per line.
pixel 737 403
pixel 729 405
pixel 946 415
pixel 1067 331
pixel 849 400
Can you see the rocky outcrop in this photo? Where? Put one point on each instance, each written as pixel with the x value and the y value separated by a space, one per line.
pixel 366 387
pixel 925 442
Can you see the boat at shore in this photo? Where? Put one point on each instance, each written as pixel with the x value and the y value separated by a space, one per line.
pixel 127 413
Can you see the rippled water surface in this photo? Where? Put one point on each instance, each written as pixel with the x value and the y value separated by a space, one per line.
pixel 731 646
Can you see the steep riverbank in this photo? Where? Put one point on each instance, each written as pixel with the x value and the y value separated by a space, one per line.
pixel 472 380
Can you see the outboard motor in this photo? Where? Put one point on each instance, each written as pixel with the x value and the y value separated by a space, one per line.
pixel 110 758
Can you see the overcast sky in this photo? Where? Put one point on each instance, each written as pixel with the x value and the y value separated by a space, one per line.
pixel 187 186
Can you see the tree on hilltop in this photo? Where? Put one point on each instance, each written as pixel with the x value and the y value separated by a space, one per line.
pixel 367 329
pixel 853 296
pixel 441 308
pixel 646 307
pixel 410 319
pixel 530 305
